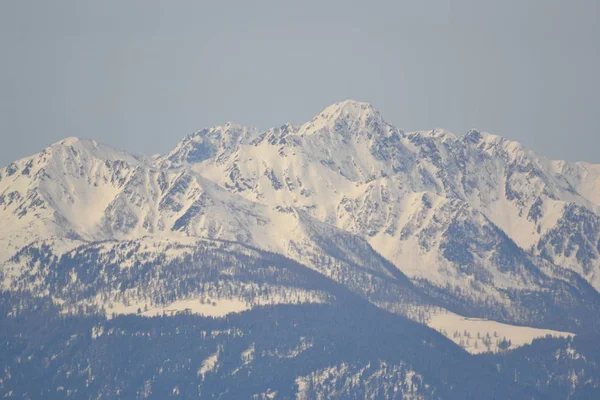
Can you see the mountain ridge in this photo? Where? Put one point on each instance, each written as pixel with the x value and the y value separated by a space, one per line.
pixel 474 218
pixel 340 258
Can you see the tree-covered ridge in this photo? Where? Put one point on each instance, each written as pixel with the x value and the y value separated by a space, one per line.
pixel 286 350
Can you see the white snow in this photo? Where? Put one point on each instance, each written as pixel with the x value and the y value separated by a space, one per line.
pixel 347 168
pixel 220 308
pixel 479 329
pixel 209 364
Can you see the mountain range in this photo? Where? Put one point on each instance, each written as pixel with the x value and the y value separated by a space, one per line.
pixel 378 237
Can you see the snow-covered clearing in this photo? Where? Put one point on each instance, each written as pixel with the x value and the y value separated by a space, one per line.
pixel 479 335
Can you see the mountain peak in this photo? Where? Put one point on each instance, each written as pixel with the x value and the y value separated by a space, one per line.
pixel 348 110
pixel 349 115
pixel 81 147
pixel 74 141
pixel 68 141
pixel 350 106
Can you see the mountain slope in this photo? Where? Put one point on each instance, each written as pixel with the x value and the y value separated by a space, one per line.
pixel 466 216
pixel 478 222
pixel 305 261
pixel 313 351
pixel 98 203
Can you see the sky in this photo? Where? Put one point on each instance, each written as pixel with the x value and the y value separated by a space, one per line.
pixel 140 75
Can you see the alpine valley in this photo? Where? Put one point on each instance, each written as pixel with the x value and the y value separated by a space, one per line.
pixel 341 258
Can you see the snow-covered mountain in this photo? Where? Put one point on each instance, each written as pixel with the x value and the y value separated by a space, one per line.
pixel 477 214
pixel 313 260
pixel 348 167
pixel 97 205
pixel 481 225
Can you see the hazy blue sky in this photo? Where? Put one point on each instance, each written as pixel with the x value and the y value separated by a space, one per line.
pixel 142 74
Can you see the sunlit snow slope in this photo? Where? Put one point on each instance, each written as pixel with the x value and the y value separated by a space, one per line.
pixel 474 224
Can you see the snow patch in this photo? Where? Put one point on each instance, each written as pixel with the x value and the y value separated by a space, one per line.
pixel 480 335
